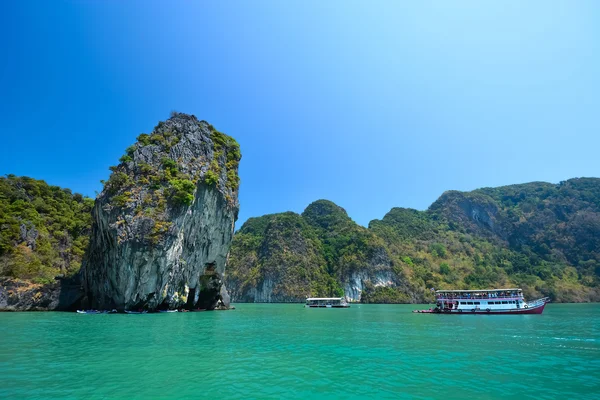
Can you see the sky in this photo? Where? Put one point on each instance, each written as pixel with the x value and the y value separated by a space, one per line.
pixel 370 104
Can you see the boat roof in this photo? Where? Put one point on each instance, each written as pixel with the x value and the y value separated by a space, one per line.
pixel 478 290
pixel 324 298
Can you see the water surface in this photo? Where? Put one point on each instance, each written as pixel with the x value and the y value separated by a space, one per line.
pixel 286 351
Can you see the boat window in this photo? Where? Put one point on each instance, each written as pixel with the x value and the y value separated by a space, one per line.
pixel 490 302
pixel 463 302
pixel 498 302
pixel 470 303
pixel 476 303
pixel 505 302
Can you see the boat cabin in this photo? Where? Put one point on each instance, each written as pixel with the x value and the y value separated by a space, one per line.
pixel 326 302
pixel 480 300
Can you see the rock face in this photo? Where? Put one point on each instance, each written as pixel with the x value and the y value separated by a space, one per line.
pixel 21 295
pixel 474 211
pixel 162 226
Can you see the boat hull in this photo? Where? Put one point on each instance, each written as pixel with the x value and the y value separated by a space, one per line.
pixel 531 310
pixel 324 306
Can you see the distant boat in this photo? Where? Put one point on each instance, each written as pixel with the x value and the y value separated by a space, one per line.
pixel 490 301
pixel 326 302
pixel 167 311
pixel 136 312
pixel 96 312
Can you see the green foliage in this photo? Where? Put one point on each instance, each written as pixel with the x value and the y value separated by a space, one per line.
pixel 122 199
pixel 211 178
pixel 144 139
pixel 44 229
pixel 157 139
pixel 145 168
pixel 408 260
pixel 168 163
pixel 405 224
pixel 182 191
pixel 326 215
pixel 225 145
pixel 438 250
pixel 444 269
pixel 384 295
pixel 233 180
pixel 118 181
pixel 126 158
pixel 159 229
pixel 220 140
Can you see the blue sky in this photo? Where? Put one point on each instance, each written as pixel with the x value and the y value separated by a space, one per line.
pixel 369 104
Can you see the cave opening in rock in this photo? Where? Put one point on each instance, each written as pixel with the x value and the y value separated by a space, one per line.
pixel 164 305
pixel 210 287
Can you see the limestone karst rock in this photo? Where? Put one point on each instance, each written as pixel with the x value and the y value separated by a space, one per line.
pixel 163 224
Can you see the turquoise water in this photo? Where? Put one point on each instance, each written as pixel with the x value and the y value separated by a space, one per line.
pixel 286 351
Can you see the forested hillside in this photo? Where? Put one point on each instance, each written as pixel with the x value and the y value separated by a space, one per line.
pixel 542 237
pixel 44 230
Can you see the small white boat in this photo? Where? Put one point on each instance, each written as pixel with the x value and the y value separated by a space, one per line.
pixel 326 302
pixel 167 311
pixel 91 312
pixel 135 312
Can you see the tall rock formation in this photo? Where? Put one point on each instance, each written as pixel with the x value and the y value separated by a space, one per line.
pixel 163 224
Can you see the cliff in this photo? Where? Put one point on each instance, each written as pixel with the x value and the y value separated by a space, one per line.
pixel 162 226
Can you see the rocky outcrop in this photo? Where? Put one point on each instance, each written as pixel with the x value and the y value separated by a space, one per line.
pixel 22 295
pixel 376 272
pixel 163 224
pixel 475 212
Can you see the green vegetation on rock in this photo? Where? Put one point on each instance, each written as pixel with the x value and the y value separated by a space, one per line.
pixel 44 230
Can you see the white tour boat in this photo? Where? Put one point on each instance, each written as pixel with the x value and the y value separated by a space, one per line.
pixel 326 302
pixel 489 301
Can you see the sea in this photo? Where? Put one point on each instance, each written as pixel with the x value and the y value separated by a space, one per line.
pixel 284 351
